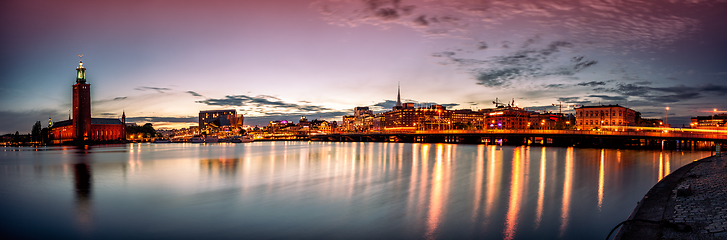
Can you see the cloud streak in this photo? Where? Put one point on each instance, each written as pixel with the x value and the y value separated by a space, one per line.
pixel 525 63
pixel 163 119
pixel 158 89
pixel 671 94
pixel 193 93
pixel 262 101
pixel 632 25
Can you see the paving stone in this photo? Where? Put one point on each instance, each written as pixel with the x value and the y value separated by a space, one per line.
pixel 700 200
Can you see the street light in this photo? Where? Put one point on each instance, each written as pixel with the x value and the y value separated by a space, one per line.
pixel 667 116
pixel 715 113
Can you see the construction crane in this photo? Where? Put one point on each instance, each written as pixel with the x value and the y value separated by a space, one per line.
pixel 560 106
pixel 497 103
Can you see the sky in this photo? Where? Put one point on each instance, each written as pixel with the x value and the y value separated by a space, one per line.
pixel 164 61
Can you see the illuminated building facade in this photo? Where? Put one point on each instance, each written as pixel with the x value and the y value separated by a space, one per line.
pixel 348 123
pixel 507 118
pixel 83 128
pixel 362 117
pixel 590 117
pixel 468 120
pixel 543 121
pixel 213 120
pixel 435 117
pixel 715 122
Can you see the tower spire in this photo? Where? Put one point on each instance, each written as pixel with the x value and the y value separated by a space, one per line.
pixel 80 71
pixel 398 94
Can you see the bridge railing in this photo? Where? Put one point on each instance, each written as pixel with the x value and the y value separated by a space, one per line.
pixel 656 134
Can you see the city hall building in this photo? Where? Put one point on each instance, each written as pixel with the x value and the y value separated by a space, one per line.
pixel 83 128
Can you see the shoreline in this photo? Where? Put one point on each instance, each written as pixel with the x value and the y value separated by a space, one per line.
pixel 701 203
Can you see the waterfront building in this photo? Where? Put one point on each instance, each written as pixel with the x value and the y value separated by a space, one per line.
pixel 321 125
pixel 279 125
pixel 362 111
pixel 649 122
pixel 435 117
pixel 214 120
pixel 303 122
pixel 361 114
pixel 467 119
pixel 549 121
pixel 347 123
pixel 593 117
pixel 715 122
pixel 373 122
pixel 507 118
pixel 83 128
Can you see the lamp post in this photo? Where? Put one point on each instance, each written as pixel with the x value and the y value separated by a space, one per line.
pixel 666 121
pixel 715 113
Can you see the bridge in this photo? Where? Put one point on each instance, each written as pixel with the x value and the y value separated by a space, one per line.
pixel 607 136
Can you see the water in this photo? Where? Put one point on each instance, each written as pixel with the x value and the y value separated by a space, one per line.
pixel 324 190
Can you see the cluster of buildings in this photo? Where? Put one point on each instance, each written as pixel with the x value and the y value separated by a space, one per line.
pixel 304 126
pixel 714 122
pixel 220 121
pixel 437 117
pixel 408 117
pixel 81 127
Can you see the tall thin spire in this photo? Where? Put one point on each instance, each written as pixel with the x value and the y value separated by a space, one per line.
pixel 398 94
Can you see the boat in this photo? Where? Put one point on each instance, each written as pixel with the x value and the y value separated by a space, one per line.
pixel 211 139
pixel 162 140
pixel 197 140
pixel 241 139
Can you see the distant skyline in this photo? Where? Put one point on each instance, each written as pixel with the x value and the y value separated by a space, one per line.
pixel 164 61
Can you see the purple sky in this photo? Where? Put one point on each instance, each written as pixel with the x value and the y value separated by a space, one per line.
pixel 164 61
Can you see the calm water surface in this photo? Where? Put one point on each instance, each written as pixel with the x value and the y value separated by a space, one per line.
pixel 324 190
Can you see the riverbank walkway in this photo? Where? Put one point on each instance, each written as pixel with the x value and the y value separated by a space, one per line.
pixel 693 195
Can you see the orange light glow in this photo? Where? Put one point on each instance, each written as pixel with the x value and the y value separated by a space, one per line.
pixel 492 181
pixel 439 185
pixel 567 185
pixel 479 177
pixel 541 189
pixel 601 181
pixel 513 208
pixel 661 166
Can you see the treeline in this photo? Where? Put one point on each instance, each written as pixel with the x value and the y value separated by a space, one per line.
pixel 146 130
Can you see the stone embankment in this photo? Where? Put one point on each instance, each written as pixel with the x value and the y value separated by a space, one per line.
pixel 690 203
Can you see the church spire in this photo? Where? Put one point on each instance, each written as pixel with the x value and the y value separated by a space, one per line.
pixel 398 95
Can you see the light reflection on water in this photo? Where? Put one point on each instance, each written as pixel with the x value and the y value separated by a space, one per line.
pixel 325 190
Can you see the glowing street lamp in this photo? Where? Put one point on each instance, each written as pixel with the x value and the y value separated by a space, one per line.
pixel 715 113
pixel 666 121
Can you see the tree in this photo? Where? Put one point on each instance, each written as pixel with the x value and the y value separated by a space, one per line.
pixel 35 132
pixel 16 138
pixel 44 135
pixel 147 130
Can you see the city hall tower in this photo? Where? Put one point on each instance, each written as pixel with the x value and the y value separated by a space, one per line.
pixel 81 104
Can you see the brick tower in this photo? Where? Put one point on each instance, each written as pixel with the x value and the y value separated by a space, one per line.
pixel 81 105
